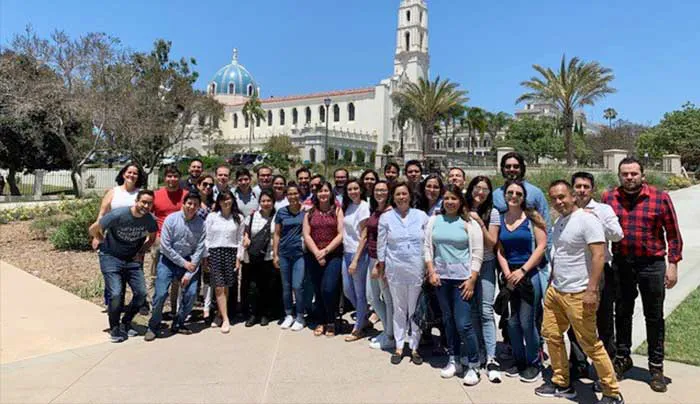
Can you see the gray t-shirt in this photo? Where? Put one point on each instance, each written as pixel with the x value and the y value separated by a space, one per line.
pixel 125 233
pixel 571 257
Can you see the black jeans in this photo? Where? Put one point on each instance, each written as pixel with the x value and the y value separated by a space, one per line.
pixel 259 284
pixel 647 275
pixel 605 320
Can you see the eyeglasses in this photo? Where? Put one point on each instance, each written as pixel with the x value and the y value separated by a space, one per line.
pixel 208 184
pixel 512 166
pixel 381 191
pixel 516 194
pixel 481 190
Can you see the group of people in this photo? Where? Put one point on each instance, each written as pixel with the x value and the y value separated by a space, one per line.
pixel 399 248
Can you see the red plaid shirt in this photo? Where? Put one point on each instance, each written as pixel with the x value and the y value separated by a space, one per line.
pixel 644 220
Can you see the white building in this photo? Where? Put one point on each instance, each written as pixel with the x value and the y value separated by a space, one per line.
pixel 357 119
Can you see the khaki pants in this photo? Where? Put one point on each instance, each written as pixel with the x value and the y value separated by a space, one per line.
pixel 564 310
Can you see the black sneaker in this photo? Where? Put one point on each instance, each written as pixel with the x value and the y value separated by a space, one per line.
pixel 145 309
pixel 622 365
pixel 116 336
pixel 416 358
pixel 658 381
pixel 123 329
pixel 612 400
pixel 251 321
pixel 150 336
pixel 130 331
pixel 182 329
pixel 513 371
pixel 552 390
pixel 530 375
pixel 264 321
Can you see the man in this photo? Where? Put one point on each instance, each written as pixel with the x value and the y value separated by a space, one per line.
pixel 223 177
pixel 264 175
pixel 455 176
pixel 303 178
pixel 646 214
pixel 314 184
pixel 584 186
pixel 391 173
pixel 195 171
pixel 413 170
pixel 340 175
pixel 246 197
pixel 124 235
pixel 182 246
pixel 578 257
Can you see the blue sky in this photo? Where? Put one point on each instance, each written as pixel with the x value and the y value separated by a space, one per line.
pixel 297 47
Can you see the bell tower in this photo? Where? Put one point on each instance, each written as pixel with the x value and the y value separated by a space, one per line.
pixel 411 56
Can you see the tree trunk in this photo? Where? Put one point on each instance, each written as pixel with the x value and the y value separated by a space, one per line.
pixel 76 177
pixel 250 136
pixel 401 143
pixel 12 182
pixel 568 141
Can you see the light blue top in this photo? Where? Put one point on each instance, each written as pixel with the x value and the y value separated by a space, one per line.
pixel 399 246
pixel 181 238
pixel 451 246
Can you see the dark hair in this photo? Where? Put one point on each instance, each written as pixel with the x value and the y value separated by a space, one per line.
pixel 193 195
pixel 200 180
pixel 140 181
pixel 303 170
pixel 413 163
pixel 631 160
pixel 313 177
pixel 224 194
pixel 197 159
pixel 583 175
pixel 397 186
pixel 513 155
pixel 274 177
pixel 171 169
pixel 373 204
pixel 457 191
pixel 392 164
pixel 144 192
pixel 268 192
pixel 562 182
pixel 317 202
pixel 424 203
pixel 347 173
pixel 257 170
pixel 366 173
pixel 292 184
pixel 460 170
pixel 242 172
pixel 531 214
pixel 484 210
pixel 346 198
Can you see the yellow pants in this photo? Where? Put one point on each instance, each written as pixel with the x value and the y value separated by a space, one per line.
pixel 564 310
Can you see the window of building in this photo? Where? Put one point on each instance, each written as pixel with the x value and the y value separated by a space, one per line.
pixel 257 121
pixel 459 144
pixel 408 15
pixel 295 116
pixel 212 88
pixel 322 113
pixel 336 113
pixel 407 39
pixel 420 17
pixel 312 155
pixel 250 90
pixel 421 40
pixel 308 115
pixel 231 88
pixel 351 112
pixel 269 118
pixel 281 117
pixel 235 120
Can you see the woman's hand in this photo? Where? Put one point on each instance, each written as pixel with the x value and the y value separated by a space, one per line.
pixel 95 243
pixel 476 217
pixel 322 262
pixel 352 268
pixel 467 288
pixel 516 276
pixel 246 241
pixel 434 279
pixel 276 262
pixel 375 272
pixel 320 254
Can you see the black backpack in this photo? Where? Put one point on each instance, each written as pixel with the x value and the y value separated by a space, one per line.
pixel 261 241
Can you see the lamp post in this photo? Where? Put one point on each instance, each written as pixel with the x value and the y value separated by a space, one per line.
pixel 327 103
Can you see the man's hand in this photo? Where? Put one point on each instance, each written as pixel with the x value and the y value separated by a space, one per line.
pixel 671 277
pixel 184 282
pixel 190 266
pixel 590 300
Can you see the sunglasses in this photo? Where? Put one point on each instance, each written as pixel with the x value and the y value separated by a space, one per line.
pixel 512 166
pixel 516 194
pixel 208 184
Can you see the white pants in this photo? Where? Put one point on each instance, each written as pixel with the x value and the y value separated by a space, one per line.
pixel 405 299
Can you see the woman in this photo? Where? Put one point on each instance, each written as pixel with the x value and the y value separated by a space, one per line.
pixel 400 256
pixel 522 239
pixel 224 234
pixel 205 186
pixel 355 215
pixel 453 254
pixel 288 257
pixel 323 235
pixel 431 190
pixel 279 187
pixel 378 293
pixel 259 273
pixel 481 210
pixel 368 179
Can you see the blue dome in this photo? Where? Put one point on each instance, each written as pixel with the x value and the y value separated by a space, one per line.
pixel 233 79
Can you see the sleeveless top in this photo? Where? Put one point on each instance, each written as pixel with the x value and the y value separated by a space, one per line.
pixel 122 198
pixel 372 227
pixel 518 244
pixel 324 228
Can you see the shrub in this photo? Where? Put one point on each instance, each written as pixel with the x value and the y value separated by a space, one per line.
pixel 72 234
pixel 678 182
pixel 92 289
pixel 44 227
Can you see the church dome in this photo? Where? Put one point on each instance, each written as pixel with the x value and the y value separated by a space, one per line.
pixel 233 79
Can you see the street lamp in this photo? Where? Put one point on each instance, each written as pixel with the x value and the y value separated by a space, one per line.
pixel 327 103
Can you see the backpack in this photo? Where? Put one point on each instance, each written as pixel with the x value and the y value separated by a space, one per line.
pixel 261 241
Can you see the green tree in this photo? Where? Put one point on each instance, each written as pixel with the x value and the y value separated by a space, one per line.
pixel 387 150
pixel 534 137
pixel 610 114
pixel 429 101
pixel 475 122
pixel 575 85
pixel 404 115
pixel 347 155
pixel 678 132
pixel 360 157
pixel 496 123
pixel 281 145
pixel 253 112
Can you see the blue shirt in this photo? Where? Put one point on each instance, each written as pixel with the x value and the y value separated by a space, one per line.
pixel 182 240
pixel 517 244
pixel 290 237
pixel 451 242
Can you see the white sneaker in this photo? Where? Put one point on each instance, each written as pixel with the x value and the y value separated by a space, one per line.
pixel 298 326
pixel 493 372
pixel 288 320
pixel 376 342
pixel 451 368
pixel 472 377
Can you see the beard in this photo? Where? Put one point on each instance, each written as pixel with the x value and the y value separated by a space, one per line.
pixel 632 187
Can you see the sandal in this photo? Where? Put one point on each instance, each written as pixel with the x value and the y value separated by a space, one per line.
pixel 318 331
pixel 355 335
pixel 330 330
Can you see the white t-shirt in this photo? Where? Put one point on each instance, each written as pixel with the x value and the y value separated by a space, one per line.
pixel 571 257
pixel 355 214
pixel 495 220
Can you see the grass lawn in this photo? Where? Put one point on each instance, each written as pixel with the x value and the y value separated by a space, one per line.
pixel 682 331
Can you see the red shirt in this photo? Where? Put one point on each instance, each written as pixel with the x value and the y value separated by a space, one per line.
pixel 165 203
pixel 324 228
pixel 644 219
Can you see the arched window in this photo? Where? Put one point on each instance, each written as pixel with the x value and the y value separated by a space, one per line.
pixel 235 120
pixel 308 115
pixel 459 144
pixel 408 15
pixel 250 90
pixel 407 40
pixel 449 142
pixel 312 155
pixel 336 154
pixel 269 118
pixel 351 112
pixel 420 17
pixel 281 117
pixel 322 113
pixel 336 113
pixel 421 40
pixel 295 116
pixel 246 120
pixel 231 88
pixel 212 88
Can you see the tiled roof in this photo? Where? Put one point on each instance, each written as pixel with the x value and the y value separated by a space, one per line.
pixel 329 94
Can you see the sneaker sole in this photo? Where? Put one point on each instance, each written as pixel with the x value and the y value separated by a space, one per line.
pixel 512 375
pixel 534 379
pixel 557 395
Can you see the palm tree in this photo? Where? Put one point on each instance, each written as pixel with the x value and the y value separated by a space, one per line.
pixel 253 111
pixel 496 122
pixel 405 114
pixel 454 114
pixel 610 114
pixel 475 122
pixel 575 85
pixel 429 101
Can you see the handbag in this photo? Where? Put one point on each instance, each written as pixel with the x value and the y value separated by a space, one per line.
pixel 424 314
pixel 261 241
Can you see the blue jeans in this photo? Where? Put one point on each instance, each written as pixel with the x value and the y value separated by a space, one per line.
pixel 379 296
pixel 522 325
pixel 116 271
pixel 457 319
pixel 326 281
pixel 355 287
pixel 166 271
pixel 292 272
pixel 485 322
